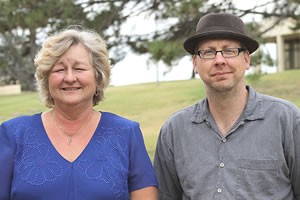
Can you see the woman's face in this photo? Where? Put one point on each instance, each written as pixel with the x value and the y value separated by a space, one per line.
pixel 72 78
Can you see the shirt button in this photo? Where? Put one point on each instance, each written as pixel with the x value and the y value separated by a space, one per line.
pixel 219 190
pixel 208 124
pixel 222 165
pixel 224 140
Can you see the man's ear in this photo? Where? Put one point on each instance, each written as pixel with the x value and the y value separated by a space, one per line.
pixel 247 60
pixel 195 70
pixel 195 64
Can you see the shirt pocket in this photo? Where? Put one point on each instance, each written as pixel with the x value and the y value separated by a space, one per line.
pixel 257 179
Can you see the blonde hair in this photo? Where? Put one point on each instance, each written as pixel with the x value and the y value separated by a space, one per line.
pixel 57 44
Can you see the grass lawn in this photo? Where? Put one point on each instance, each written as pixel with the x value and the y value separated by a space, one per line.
pixel 150 104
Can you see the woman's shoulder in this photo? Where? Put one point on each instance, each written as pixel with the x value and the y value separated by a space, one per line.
pixel 18 126
pixel 109 119
pixel 24 119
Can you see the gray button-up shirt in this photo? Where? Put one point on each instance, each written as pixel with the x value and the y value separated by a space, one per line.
pixel 258 159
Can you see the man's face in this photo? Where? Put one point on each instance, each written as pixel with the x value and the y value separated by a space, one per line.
pixel 217 72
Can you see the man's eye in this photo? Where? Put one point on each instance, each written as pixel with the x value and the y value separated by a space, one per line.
pixel 229 51
pixel 208 52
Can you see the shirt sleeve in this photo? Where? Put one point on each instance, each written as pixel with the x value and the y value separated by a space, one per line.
pixel 164 165
pixel 295 161
pixel 141 172
pixel 7 149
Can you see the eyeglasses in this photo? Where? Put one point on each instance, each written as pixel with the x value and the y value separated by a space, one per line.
pixel 226 53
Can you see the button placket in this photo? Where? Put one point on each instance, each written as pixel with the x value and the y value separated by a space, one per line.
pixel 219 189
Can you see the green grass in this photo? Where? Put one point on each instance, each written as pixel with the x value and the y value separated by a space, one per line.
pixel 151 104
pixel 15 105
pixel 284 85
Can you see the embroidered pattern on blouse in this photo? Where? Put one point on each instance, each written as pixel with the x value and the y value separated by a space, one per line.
pixel 34 162
pixel 109 164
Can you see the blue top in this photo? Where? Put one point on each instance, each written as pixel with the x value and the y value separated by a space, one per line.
pixel 113 164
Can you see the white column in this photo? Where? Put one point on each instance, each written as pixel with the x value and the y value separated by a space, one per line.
pixel 280 53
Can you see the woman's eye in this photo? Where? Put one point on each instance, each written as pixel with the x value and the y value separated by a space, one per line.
pixel 57 70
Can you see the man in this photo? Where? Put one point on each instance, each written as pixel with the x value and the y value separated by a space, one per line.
pixel 235 143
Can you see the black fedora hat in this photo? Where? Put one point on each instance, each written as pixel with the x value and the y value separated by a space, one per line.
pixel 220 26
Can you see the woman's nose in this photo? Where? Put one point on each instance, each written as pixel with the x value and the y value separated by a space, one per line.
pixel 70 75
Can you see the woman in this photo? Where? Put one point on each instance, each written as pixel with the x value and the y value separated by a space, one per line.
pixel 72 151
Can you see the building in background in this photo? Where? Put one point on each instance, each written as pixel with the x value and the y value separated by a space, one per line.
pixel 287 42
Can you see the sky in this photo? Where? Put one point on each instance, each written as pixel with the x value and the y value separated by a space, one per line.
pixel 136 69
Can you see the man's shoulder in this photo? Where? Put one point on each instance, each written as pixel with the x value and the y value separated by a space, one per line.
pixel 187 113
pixel 188 110
pixel 280 103
pixel 272 103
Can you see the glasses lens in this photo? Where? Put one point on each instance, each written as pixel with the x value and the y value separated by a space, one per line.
pixel 207 53
pixel 231 52
pixel 226 53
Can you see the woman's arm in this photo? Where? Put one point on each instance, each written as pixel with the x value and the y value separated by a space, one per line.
pixel 142 183
pixel 148 193
pixel 7 152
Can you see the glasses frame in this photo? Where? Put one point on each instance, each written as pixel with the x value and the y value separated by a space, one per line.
pixel 240 49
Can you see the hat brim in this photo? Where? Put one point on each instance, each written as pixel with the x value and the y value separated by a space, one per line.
pixel 191 43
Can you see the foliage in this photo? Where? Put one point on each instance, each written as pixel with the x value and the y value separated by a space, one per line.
pixel 25 23
pixel 20 22
pixel 187 13
pixel 164 50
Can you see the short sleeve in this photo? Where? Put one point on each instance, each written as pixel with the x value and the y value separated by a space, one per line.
pixel 141 172
pixel 169 185
pixel 295 161
pixel 7 152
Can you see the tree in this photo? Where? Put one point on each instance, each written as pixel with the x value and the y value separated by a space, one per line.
pixel 25 23
pixel 20 23
pixel 187 13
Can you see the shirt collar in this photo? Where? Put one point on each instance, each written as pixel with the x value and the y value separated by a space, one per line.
pixel 253 110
